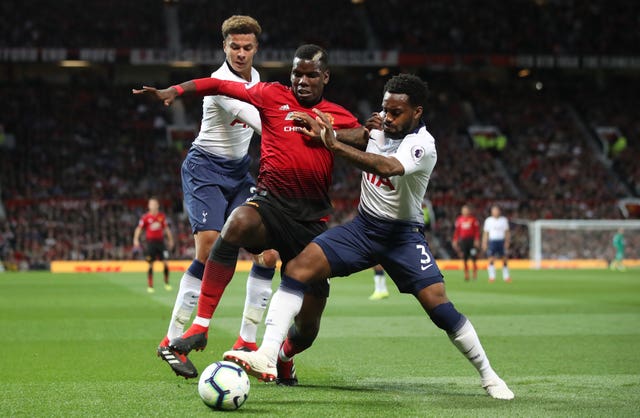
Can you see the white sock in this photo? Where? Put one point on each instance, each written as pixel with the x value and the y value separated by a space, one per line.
pixel 203 322
pixel 505 272
pixel 380 282
pixel 467 341
pixel 285 305
pixel 492 271
pixel 258 294
pixel 186 301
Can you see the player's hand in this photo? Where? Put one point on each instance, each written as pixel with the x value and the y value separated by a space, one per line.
pixel 167 96
pixel 307 125
pixel 327 134
pixel 375 121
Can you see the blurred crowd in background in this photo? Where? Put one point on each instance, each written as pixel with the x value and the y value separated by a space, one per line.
pixel 79 155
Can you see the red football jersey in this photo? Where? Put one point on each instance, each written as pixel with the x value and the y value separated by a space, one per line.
pixel 466 227
pixel 295 170
pixel 153 226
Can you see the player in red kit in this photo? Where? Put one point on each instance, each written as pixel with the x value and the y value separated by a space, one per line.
pixel 291 203
pixel 154 223
pixel 466 239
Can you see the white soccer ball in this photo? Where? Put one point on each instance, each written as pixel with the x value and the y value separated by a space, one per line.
pixel 224 385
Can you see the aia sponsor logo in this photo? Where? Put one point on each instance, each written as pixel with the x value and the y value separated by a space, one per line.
pixel 237 121
pixel 379 181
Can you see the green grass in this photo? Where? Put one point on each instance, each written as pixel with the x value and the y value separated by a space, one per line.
pixel 567 343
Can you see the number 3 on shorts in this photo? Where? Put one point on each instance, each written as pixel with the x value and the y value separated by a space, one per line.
pixel 425 259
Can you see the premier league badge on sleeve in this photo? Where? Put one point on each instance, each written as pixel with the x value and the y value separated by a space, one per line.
pixel 417 152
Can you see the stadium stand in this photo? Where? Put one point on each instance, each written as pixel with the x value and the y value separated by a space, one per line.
pixel 80 155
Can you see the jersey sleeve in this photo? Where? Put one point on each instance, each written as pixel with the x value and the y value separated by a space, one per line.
pixel 476 228
pixel 141 222
pixel 213 86
pixel 242 110
pixel 415 154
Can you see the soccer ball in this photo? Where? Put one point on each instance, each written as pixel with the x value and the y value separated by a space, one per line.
pixel 224 385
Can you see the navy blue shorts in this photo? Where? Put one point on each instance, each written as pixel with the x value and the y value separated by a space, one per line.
pixel 213 187
pixel 400 247
pixel 495 248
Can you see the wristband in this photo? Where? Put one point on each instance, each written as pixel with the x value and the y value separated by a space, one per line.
pixel 179 89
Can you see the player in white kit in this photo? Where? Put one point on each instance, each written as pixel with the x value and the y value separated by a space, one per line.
pixel 495 241
pixel 215 180
pixel 388 230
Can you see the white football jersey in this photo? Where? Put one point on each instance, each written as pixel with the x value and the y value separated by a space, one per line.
pixel 400 197
pixel 228 124
pixel 496 227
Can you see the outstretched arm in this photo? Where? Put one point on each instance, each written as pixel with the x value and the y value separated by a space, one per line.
pixel 366 161
pixel 168 95
pixel 201 86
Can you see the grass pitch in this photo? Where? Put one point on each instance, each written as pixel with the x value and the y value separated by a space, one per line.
pixel 567 343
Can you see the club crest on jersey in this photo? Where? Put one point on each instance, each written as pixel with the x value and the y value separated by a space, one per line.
pixel 417 152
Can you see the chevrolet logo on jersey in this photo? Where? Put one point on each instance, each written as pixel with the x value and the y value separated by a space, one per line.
pixel 291 117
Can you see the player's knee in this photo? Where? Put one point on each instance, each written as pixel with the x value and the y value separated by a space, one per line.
pixel 224 252
pixel 241 226
pixel 432 296
pixel 267 258
pixel 204 243
pixel 310 265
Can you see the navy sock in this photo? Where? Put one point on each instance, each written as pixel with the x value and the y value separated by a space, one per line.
pixel 289 284
pixel 260 272
pixel 447 318
pixel 196 269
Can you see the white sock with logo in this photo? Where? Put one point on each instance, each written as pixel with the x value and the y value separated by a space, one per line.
pixel 258 294
pixel 186 301
pixel 467 341
pixel 285 305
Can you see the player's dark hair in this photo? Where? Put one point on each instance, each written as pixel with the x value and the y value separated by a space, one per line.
pixel 313 53
pixel 411 85
pixel 240 24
